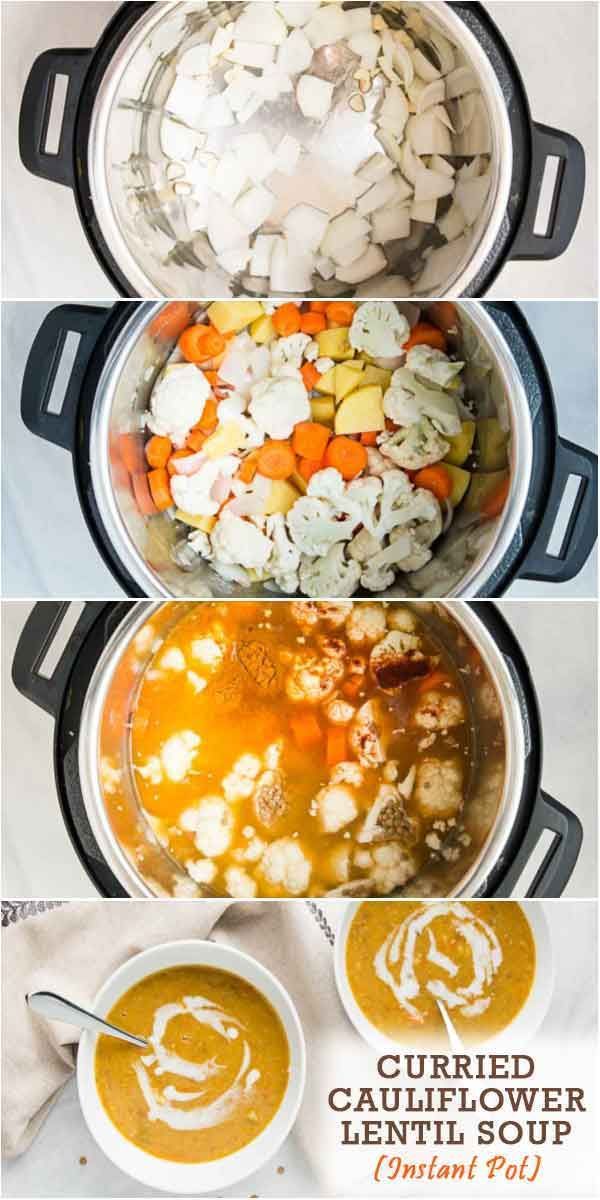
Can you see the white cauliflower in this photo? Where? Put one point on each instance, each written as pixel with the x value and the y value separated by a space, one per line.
pixel 240 543
pixel 439 710
pixel 279 403
pixel 393 867
pixel 214 826
pixel 284 865
pixel 313 679
pixel 208 651
pixel 407 400
pixel 316 527
pixel 289 351
pixel 339 711
pixel 201 870
pixel 192 493
pixel 433 365
pixel 366 735
pixel 173 659
pixel 379 328
pixel 418 446
pixel 239 884
pixel 285 557
pixel 364 545
pixel 400 617
pixel 244 364
pixel 348 772
pixel 177 401
pixel 178 753
pixel 439 788
pixel 336 807
pixel 332 575
pixel 366 624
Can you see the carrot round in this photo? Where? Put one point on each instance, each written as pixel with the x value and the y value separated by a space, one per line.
pixel 337 745
pixel 160 490
pixel 171 321
pixel 318 305
pixel 434 479
pixel 247 469
pixel 306 730
pixel 307 467
pixel 492 507
pixel 348 457
pixel 310 376
pixel 201 342
pixel 286 320
pixel 208 421
pixel 310 439
pixel 424 334
pixel 312 322
pixel 158 451
pixel 131 450
pixel 276 460
pixel 370 438
pixel 340 311
pixel 141 492
pixel 195 440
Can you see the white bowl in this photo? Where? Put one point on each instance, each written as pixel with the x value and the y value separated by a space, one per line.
pixel 223 1172
pixel 516 1034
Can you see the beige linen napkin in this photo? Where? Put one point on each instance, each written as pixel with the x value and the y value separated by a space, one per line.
pixel 72 950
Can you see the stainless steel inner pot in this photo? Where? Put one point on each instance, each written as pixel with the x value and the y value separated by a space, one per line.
pixel 464 558
pixel 144 868
pixel 145 224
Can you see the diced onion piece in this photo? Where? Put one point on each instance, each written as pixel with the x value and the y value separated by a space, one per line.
pixel 366 45
pixel 358 20
pixel 471 194
pixel 306 225
pixel 424 211
pixel 423 67
pixel 380 194
pixel 385 285
pixel 431 185
pixel 255 155
pixel 250 54
pixel 314 97
pixel 295 54
pixel 444 50
pixel 177 141
pixel 427 134
pixel 349 253
pixel 254 206
pixel 261 23
pixel 376 168
pixel 403 63
pixel 459 82
pixel 224 228
pixel 194 61
pixel 437 163
pixel 432 93
pixel 370 263
pixel 477 138
pixel 228 177
pixel 291 268
pixel 187 98
pixel 216 113
pixel 389 224
pixel 390 144
pixel 287 154
pixel 262 250
pixel 343 229
pixel 324 267
pixel 327 25
pixel 452 224
pixel 409 162
pixel 297 12
pixel 235 259
pixel 441 265
pixel 393 113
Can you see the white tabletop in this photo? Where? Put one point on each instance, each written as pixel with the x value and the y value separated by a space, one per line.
pixel 45 250
pixel 559 642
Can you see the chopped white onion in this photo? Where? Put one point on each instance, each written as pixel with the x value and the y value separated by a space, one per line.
pixel 306 225
pixel 314 97
pixel 388 224
pixel 254 207
pixel 371 263
pixel 295 54
pixel 262 250
pixel 260 23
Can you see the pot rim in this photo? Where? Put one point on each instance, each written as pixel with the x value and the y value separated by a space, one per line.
pixel 514 716
pixel 443 16
pixel 479 573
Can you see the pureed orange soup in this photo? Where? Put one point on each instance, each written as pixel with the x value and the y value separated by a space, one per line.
pixel 478 957
pixel 214 1075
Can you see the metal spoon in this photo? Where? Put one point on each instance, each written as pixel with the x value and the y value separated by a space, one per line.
pixel 56 1008
pixel 456 1045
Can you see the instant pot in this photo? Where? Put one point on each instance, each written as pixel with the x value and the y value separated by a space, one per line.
pixel 91 695
pixel 119 357
pixel 109 150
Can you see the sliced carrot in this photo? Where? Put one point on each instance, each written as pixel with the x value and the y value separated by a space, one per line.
pixel 352 686
pixel 158 451
pixel 198 343
pixel 443 314
pixel 369 439
pixel 195 440
pixel 306 730
pixel 248 468
pixel 492 507
pixel 434 479
pixel 425 334
pixel 312 322
pixel 337 745
pixel 131 450
pixel 348 457
pixel 307 467
pixel 159 488
pixel 212 377
pixel 286 320
pixel 171 321
pixel 340 311
pixel 309 440
pixel 318 305
pixel 208 421
pixel 141 492
pixel 310 376
pixel 435 679
pixel 276 459
pixel 173 459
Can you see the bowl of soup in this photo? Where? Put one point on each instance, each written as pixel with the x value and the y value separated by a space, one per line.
pixel 218 1088
pixel 488 961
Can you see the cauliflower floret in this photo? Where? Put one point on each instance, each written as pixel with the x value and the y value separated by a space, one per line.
pixel 173 659
pixel 248 766
pixel 439 788
pixel 201 870
pixel 433 365
pixel 439 710
pixel 363 546
pixel 240 543
pixel 285 557
pixel 377 464
pixel 177 402
pixel 312 680
pixel 270 803
pixel 151 770
pixel 236 787
pixel 399 617
pixel 334 612
pixel 348 772
pixel 332 574
pixel 289 351
pixel 315 527
pixel 407 400
pixel 336 864
pixel 254 850
pixel 366 624
pixel 284 865
pixel 110 776
pixel 418 446
pixel 366 735
pixel 279 402
pixel 214 826
pixel 336 807
pixel 272 754
pixel 244 364
pixel 178 753
pixel 387 818
pixel 207 651
pixel 398 659
pixel 338 711
pixel 305 613
pixel 379 328
pixel 239 884
pixel 193 493
pixel 397 501
pixel 393 868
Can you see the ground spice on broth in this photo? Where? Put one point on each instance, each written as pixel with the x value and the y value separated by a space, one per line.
pixel 397 950
pixel 238 1044
pixel 307 748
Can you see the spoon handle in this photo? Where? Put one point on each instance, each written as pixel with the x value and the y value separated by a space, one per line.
pixel 56 1008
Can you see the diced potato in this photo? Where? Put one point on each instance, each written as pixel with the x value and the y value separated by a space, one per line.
pixel 460 482
pixel 461 444
pixel 333 343
pixel 322 409
pixel 231 316
pixel 281 497
pixel 326 383
pixel 299 482
pixel 227 439
pixel 361 411
pixel 377 375
pixel 348 376
pixel 492 444
pixel 206 524
pixel 481 488
pixel 263 330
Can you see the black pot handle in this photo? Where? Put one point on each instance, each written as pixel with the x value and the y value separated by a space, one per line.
pixel 582 527
pixel 558 865
pixel 37 636
pixel 34 117
pixel 566 203
pixel 42 366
